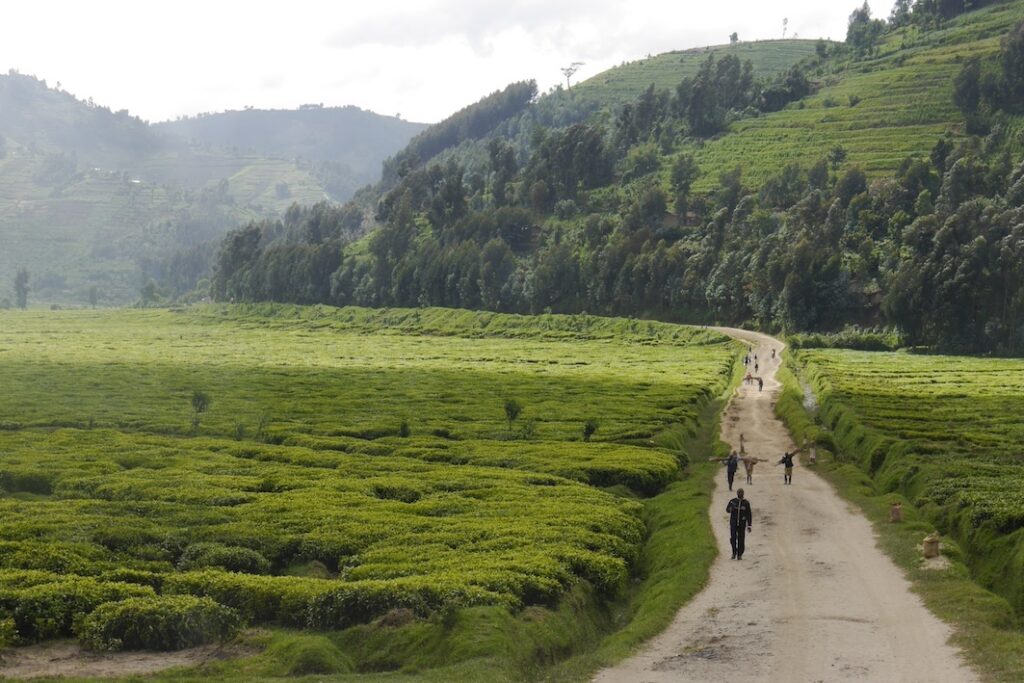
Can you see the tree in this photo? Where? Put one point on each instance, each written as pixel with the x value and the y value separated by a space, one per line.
pixel 734 38
pixel 785 27
pixel 863 32
pixel 901 13
pixel 684 172
pixel 200 404
pixel 513 409
pixel 836 156
pixel 569 71
pixel 589 429
pixel 21 288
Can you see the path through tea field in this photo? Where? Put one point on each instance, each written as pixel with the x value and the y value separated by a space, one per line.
pixel 813 599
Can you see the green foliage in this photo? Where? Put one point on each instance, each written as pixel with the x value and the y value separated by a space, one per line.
pixel 21 288
pixel 513 409
pixel 331 518
pixel 48 608
pixel 171 622
pixel 232 559
pixel 589 429
pixel 941 431
pixel 849 338
pixel 306 655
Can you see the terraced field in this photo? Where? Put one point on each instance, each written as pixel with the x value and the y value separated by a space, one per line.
pixel 902 104
pixel 350 462
pixel 946 432
pixel 95 227
pixel 665 71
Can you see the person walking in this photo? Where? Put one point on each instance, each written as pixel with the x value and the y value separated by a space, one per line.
pixel 732 463
pixel 748 464
pixel 787 460
pixel 760 385
pixel 741 519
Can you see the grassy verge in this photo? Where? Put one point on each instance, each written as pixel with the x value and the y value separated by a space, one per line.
pixel 986 627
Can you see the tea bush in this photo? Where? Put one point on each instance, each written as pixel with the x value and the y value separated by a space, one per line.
pixel 159 623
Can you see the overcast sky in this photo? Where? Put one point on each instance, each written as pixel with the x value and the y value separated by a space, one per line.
pixel 421 59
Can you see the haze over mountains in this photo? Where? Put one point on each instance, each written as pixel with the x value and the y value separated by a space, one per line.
pixel 91 198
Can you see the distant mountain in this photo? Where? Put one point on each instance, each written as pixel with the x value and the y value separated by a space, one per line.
pixel 93 201
pixel 349 136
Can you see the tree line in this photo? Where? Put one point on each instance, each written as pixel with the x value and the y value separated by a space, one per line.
pixel 601 217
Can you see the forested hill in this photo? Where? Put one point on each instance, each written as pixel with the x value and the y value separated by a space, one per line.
pixel 50 120
pixel 95 203
pixel 875 182
pixel 357 139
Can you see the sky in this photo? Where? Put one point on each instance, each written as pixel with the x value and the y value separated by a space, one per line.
pixel 421 60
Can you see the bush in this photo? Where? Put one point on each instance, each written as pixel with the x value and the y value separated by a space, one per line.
pixel 49 610
pixel 281 599
pixel 158 623
pixel 231 558
pixel 362 602
pixel 8 633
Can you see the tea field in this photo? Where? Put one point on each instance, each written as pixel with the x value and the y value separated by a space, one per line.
pixel 946 432
pixel 318 468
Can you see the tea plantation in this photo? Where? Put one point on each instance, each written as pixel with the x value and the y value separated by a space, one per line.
pixel 169 477
pixel 944 431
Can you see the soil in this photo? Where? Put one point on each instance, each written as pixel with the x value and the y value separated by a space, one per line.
pixel 813 599
pixel 67 658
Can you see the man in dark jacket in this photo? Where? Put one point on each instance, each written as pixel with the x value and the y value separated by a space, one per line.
pixel 741 519
pixel 732 463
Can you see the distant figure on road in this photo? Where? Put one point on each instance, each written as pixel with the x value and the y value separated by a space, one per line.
pixel 760 384
pixel 741 517
pixel 773 354
pixel 748 464
pixel 732 463
pixel 787 460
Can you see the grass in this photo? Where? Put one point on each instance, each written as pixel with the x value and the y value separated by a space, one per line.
pixel 460 545
pixel 898 426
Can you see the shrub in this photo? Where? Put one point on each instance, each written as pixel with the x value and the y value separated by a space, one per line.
pixel 158 623
pixel 231 558
pixel 8 633
pixel 363 601
pixel 49 610
pixel 281 599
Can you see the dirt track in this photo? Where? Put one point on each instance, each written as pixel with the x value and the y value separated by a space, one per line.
pixel 812 600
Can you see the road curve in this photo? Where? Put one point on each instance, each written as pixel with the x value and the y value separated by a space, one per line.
pixel 813 599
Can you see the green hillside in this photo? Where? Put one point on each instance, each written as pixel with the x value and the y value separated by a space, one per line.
pixel 902 103
pixel 852 188
pixel 93 200
pixel 624 83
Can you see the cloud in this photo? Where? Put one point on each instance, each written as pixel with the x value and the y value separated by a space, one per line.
pixel 477 23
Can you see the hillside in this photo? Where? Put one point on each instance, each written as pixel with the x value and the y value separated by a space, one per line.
pixel 877 182
pixel 93 201
pixel 351 137
pixel 627 81
pixel 881 110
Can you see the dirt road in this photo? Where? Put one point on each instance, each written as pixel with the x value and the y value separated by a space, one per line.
pixel 813 598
